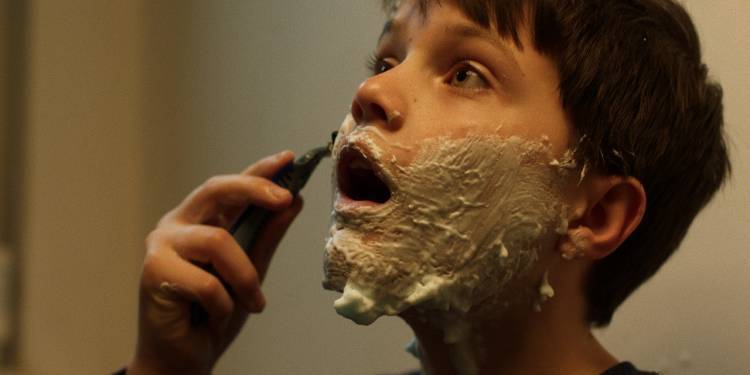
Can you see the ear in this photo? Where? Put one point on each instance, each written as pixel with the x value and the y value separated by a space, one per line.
pixel 611 209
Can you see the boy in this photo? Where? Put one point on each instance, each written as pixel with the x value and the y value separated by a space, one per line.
pixel 509 174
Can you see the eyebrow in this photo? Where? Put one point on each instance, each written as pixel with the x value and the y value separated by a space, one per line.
pixel 464 31
pixel 468 31
pixel 386 29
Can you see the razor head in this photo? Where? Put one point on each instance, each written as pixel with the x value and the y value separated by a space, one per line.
pixel 334 134
pixel 295 175
pixel 304 166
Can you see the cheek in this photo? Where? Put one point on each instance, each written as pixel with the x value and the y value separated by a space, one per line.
pixel 545 125
pixel 548 128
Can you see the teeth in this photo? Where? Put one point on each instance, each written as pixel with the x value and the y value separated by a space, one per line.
pixel 360 164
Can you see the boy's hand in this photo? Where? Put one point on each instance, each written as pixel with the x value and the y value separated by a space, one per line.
pixel 194 233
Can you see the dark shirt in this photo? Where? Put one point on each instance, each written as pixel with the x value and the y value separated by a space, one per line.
pixel 626 368
pixel 623 368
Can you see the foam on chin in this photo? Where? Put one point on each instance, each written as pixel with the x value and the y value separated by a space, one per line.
pixel 465 214
pixel 466 217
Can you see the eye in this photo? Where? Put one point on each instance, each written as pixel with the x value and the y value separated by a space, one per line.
pixel 377 65
pixel 467 77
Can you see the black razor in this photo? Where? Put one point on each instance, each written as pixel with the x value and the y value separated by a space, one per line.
pixel 292 177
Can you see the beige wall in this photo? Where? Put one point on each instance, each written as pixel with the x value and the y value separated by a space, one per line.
pixel 4 91
pixel 5 275
pixel 83 208
pixel 132 103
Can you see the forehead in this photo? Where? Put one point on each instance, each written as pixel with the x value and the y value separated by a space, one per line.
pixel 508 19
pixel 401 12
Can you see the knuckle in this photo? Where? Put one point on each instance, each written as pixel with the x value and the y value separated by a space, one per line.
pixel 217 237
pixel 153 265
pixel 210 288
pixel 214 183
pixel 210 292
pixel 170 217
pixel 154 238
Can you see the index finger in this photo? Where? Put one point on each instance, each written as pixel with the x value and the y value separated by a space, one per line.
pixel 269 165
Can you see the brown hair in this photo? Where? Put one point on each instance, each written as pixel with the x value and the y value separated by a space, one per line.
pixel 637 92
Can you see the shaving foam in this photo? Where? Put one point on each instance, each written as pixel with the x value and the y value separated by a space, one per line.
pixel 466 216
pixel 545 292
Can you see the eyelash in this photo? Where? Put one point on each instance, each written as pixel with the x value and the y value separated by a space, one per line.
pixel 375 63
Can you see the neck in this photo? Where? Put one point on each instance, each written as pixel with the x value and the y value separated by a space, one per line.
pixel 516 340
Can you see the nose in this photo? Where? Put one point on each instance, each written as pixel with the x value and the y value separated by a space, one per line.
pixel 378 102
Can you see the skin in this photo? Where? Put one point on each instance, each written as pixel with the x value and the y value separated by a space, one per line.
pixel 437 74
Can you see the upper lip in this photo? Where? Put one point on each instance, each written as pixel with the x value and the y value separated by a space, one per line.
pixel 354 158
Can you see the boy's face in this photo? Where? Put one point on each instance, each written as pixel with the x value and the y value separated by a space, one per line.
pixel 465 131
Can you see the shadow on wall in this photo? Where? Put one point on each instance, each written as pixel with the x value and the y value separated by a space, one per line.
pixel 12 95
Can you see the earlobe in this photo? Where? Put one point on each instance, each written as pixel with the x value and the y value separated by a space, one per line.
pixel 614 207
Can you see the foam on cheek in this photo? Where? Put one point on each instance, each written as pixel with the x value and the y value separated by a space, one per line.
pixel 466 216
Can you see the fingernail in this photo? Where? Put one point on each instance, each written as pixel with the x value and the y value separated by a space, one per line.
pixel 282 154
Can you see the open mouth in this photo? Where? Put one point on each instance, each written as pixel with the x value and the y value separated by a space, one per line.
pixel 358 179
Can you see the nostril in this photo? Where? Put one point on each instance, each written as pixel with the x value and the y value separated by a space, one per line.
pixel 356 111
pixel 371 113
pixel 377 112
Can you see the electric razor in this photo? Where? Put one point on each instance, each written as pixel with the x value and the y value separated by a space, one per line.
pixel 292 177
